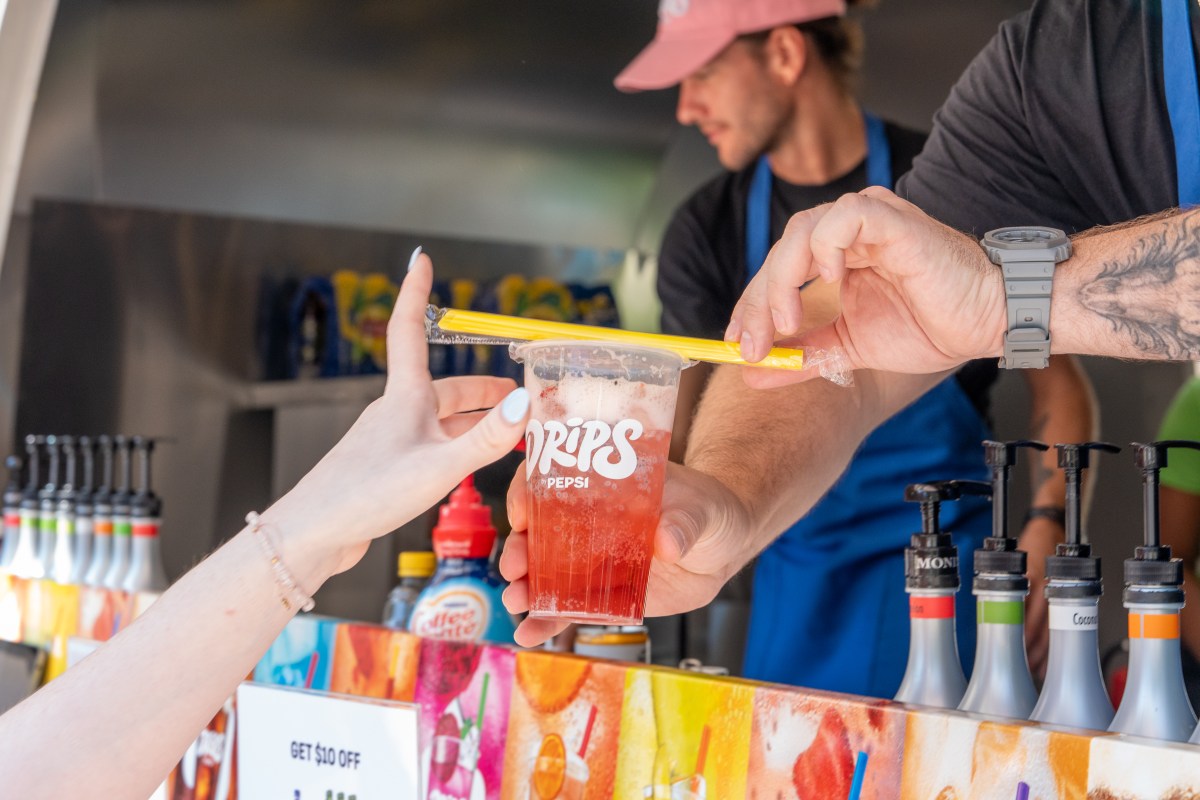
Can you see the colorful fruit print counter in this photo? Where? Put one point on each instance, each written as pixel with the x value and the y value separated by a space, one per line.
pixel 497 723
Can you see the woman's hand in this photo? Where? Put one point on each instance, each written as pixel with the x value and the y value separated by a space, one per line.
pixel 404 454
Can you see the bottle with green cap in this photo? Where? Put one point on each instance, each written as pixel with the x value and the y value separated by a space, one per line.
pixel 415 568
pixel 48 509
pixel 122 508
pixel 1001 685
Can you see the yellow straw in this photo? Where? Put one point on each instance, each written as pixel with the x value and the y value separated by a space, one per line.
pixel 479 323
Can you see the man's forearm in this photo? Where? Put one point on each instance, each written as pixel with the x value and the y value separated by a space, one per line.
pixel 779 450
pixel 1132 291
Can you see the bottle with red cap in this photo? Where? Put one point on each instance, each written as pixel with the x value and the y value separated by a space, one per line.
pixel 462 601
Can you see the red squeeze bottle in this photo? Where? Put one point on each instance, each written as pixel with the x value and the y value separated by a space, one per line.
pixel 463 599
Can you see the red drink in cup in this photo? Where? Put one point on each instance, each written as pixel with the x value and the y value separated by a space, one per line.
pixel 596 455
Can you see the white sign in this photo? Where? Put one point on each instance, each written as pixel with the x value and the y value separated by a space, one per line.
pixel 304 745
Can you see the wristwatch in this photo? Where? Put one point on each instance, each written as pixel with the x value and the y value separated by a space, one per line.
pixel 1027 256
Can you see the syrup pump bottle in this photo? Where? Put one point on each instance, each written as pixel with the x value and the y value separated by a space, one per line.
pixel 84 529
pixel 12 511
pixel 145 573
pixel 1074 694
pixel 122 498
pixel 48 510
pixel 1155 703
pixel 1001 685
pixel 64 516
pixel 25 562
pixel 102 523
pixel 934 675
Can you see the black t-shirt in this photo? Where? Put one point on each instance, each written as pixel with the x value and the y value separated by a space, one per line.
pixel 1061 120
pixel 702 263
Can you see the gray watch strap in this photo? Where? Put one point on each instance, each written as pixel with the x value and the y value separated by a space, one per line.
pixel 1027 257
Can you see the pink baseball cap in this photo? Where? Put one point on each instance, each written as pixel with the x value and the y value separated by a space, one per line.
pixel 692 32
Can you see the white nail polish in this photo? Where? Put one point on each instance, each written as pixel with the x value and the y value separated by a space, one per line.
pixel 412 260
pixel 514 406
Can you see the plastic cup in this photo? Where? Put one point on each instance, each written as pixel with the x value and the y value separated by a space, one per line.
pixel 596 450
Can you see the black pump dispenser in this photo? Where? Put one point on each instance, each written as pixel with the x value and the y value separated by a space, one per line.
pixel 104 487
pixel 32 487
pixel 145 502
pixel 122 495
pixel 931 559
pixel 87 454
pixel 999 565
pixel 1073 559
pixel 68 489
pixel 50 490
pixel 13 491
pixel 1152 566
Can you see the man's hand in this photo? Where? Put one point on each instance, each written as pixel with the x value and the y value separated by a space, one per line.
pixel 916 296
pixel 701 541
pixel 1038 539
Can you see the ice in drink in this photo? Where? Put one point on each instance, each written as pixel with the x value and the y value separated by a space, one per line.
pixel 596 453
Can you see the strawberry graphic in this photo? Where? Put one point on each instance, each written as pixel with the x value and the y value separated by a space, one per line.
pixel 826 768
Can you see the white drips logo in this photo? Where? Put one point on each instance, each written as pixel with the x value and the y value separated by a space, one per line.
pixel 586 446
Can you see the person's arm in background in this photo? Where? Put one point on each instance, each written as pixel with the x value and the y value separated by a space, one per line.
pixel 1179 503
pixel 114 725
pixel 1062 408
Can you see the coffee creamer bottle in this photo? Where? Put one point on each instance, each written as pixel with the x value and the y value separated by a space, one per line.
pixel 462 601
pixel 934 675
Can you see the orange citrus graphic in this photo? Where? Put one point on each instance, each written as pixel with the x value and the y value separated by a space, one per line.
pixel 550 682
pixel 550 768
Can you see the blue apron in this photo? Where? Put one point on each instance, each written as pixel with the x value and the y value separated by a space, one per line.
pixel 1183 98
pixel 829 609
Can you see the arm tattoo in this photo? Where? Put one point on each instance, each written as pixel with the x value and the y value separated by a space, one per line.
pixel 1153 296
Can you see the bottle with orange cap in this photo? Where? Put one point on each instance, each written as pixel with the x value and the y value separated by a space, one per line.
pixel 1155 703
pixel 415 569
pixel 462 601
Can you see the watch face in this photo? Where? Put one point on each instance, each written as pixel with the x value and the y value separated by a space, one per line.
pixel 1026 236
pixel 1026 243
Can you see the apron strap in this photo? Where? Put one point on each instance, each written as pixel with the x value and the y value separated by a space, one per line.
pixel 879 154
pixel 758 218
pixel 1183 98
pixel 758 202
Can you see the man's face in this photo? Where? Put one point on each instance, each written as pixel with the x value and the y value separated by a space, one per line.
pixel 735 104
